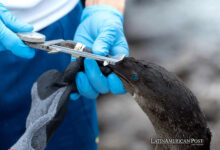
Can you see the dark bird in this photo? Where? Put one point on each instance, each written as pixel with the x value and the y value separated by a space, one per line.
pixel 171 107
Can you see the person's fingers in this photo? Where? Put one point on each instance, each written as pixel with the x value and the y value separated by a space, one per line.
pixel 115 84
pixel 12 22
pixel 98 81
pixel 120 47
pixel 84 87
pixel 81 36
pixel 10 41
pixel 74 96
pixel 104 41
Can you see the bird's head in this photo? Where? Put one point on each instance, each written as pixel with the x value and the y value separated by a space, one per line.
pixel 147 79
pixel 131 73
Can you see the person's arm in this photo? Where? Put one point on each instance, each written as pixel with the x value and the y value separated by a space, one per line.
pixel 118 4
pixel 101 30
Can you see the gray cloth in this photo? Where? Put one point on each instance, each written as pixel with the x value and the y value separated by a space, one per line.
pixel 50 96
pixel 41 113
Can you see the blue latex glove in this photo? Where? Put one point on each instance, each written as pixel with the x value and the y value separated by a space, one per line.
pixel 101 30
pixel 8 39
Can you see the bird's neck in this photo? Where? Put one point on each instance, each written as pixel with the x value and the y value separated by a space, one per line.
pixel 173 122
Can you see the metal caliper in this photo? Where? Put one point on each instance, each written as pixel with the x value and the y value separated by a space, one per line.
pixel 38 41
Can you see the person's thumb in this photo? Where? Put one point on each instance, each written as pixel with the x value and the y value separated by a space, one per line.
pixel 9 41
pixel 12 22
pixel 104 41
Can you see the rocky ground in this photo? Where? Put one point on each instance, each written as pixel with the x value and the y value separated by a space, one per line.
pixel 183 37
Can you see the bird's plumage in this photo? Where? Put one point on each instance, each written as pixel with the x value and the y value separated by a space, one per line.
pixel 172 108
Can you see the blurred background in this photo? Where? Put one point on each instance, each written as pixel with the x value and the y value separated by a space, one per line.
pixel 184 37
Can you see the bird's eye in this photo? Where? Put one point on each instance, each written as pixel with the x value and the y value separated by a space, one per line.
pixel 134 77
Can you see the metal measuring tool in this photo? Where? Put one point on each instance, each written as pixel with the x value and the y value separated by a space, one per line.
pixel 38 41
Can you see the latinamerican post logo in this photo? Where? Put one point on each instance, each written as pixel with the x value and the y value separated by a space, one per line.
pixel 177 141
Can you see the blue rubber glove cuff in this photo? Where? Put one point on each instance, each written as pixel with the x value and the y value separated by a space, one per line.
pixel 91 10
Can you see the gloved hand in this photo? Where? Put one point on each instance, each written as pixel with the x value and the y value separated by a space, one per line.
pixel 101 30
pixel 8 39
